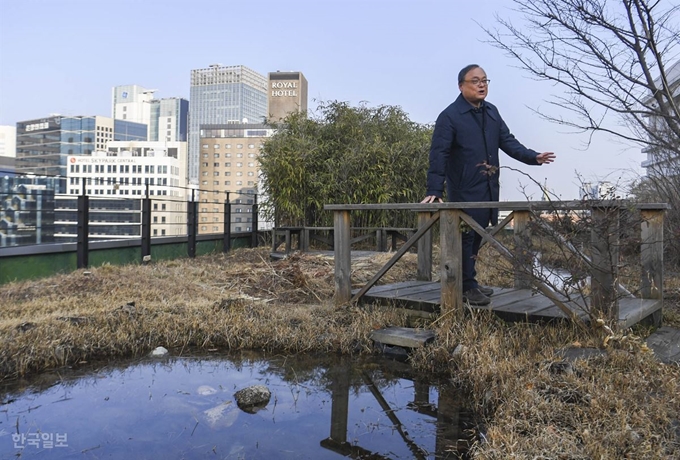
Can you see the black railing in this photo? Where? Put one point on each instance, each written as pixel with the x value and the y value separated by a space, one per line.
pixel 31 214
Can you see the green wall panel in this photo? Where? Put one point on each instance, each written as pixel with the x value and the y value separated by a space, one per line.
pixel 32 266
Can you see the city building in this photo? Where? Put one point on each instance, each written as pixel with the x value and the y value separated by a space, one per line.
pixel 223 95
pixel 166 118
pixel 117 179
pixel 228 163
pixel 26 210
pixel 229 153
pixel 132 103
pixel 169 120
pixel 8 150
pixel 43 144
pixel 660 162
pixel 287 94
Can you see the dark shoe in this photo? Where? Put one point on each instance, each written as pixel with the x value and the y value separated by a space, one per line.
pixel 487 291
pixel 475 297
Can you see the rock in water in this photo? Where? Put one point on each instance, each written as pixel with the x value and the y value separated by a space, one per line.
pixel 159 351
pixel 206 390
pixel 253 398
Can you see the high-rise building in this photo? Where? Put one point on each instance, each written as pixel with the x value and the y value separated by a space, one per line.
pixel 26 210
pixel 8 149
pixel 228 163
pixel 44 143
pixel 167 118
pixel 116 179
pixel 662 162
pixel 132 103
pixel 287 94
pixel 223 95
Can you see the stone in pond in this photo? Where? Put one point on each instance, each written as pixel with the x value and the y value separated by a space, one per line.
pixel 253 398
pixel 159 351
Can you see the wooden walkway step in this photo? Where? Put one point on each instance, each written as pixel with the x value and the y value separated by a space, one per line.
pixel 403 336
pixel 508 303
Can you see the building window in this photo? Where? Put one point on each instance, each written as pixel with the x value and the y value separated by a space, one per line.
pixel 217 155
pixel 217 146
pixel 205 146
pixel 216 164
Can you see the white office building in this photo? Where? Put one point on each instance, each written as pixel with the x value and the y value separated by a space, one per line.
pixel 117 179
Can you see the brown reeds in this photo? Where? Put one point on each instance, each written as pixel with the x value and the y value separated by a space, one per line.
pixel 620 403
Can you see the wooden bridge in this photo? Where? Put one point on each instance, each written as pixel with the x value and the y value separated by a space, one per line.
pixel 607 299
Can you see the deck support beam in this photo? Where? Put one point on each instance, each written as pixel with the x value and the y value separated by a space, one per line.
pixel 343 257
pixel 424 272
pixel 451 242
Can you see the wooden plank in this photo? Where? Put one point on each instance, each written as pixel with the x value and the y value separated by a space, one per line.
pixel 397 286
pixel 523 257
pixel 573 205
pixel 665 342
pixel 397 289
pixel 424 272
pixel 651 255
pixel 633 311
pixel 397 255
pixel 605 251
pixel 451 271
pixel 343 257
pixel 403 336
pixel 541 286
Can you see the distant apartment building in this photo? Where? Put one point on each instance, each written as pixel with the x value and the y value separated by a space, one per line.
pixel 8 150
pixel 223 95
pixel 660 162
pixel 132 103
pixel 229 156
pixel 43 144
pixel 166 118
pixel 287 93
pixel 228 163
pixel 169 120
pixel 117 179
pixel 26 210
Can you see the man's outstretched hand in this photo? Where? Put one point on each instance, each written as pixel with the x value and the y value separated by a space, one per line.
pixel 431 199
pixel 545 157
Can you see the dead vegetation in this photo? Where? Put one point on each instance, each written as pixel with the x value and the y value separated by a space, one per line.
pixel 621 403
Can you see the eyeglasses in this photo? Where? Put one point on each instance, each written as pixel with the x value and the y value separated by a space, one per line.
pixel 478 82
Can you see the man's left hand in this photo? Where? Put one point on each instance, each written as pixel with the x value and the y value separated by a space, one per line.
pixel 545 157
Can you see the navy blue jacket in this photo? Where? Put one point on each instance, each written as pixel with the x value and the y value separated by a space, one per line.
pixel 459 151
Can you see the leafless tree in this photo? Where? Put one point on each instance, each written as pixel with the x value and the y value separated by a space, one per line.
pixel 616 66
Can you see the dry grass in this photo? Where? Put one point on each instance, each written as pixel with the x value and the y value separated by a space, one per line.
pixel 623 404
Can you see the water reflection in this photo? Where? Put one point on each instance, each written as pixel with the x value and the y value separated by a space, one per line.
pixel 322 407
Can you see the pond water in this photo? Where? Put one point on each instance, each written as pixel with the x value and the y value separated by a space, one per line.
pixel 323 407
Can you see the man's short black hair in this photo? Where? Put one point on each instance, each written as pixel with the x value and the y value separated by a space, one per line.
pixel 464 71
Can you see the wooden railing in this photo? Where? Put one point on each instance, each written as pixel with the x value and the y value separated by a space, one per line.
pixel 603 261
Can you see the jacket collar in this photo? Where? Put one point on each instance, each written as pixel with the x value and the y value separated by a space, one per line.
pixel 464 106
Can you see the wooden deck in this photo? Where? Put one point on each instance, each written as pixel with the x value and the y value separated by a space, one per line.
pixel 508 303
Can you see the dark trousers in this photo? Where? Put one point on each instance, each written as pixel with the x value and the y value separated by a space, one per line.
pixel 471 242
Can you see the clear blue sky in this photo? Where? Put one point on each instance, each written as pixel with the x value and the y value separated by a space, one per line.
pixel 64 56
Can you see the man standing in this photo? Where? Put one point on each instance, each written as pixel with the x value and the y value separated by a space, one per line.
pixel 464 155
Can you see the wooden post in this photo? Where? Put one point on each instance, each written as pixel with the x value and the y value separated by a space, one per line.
pixel 523 255
pixel 339 403
pixel 605 258
pixel 651 254
pixel 451 255
pixel 424 250
pixel 343 257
